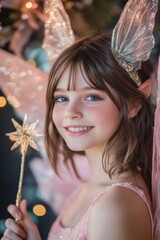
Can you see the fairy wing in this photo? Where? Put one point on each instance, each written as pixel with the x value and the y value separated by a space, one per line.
pixel 24 85
pixel 58 33
pixel 132 38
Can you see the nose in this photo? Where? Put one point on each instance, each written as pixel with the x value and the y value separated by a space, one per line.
pixel 73 110
pixel 73 115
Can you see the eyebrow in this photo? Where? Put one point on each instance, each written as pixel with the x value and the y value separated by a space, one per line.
pixel 82 89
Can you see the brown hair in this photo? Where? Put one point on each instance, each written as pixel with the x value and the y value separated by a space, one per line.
pixel 94 56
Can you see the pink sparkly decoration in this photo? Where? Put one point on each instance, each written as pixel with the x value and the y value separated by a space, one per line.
pixel 156 166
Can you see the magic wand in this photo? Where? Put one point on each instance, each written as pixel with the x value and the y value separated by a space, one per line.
pixel 24 136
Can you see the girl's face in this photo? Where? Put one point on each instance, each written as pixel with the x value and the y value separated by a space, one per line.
pixel 85 118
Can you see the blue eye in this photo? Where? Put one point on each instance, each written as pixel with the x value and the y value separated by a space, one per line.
pixel 61 99
pixel 93 98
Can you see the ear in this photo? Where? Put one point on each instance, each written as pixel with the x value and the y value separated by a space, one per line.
pixel 145 89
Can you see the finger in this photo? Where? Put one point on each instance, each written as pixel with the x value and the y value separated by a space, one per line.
pixel 23 207
pixel 27 222
pixel 16 228
pixel 5 238
pixel 15 212
pixel 11 235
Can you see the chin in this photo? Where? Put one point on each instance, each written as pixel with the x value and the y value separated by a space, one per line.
pixel 76 148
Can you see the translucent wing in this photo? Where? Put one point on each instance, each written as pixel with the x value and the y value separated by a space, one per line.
pixel 132 37
pixel 156 166
pixel 24 85
pixel 58 31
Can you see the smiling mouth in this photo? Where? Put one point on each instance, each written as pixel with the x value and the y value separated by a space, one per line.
pixel 78 129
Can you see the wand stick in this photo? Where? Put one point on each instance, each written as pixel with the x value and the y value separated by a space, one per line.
pixel 20 185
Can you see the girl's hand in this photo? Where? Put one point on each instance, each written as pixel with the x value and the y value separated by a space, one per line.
pixel 24 228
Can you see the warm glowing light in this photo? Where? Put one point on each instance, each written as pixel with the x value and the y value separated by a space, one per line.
pixel 39 210
pixel 3 101
pixel 29 5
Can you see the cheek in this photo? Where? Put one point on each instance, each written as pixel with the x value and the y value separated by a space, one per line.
pixel 56 116
pixel 97 114
pixel 104 114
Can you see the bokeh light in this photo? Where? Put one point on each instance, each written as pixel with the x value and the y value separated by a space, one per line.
pixel 29 5
pixel 3 101
pixel 39 210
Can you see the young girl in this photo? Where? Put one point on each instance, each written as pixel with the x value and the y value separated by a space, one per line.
pixel 94 107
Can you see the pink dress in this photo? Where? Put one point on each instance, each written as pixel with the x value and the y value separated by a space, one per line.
pixel 79 232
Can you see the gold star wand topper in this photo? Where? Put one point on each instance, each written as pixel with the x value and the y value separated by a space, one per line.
pixel 24 136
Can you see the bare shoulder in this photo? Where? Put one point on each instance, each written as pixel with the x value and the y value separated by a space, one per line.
pixel 119 214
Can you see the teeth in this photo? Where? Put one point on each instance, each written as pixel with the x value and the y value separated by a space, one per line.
pixel 78 129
